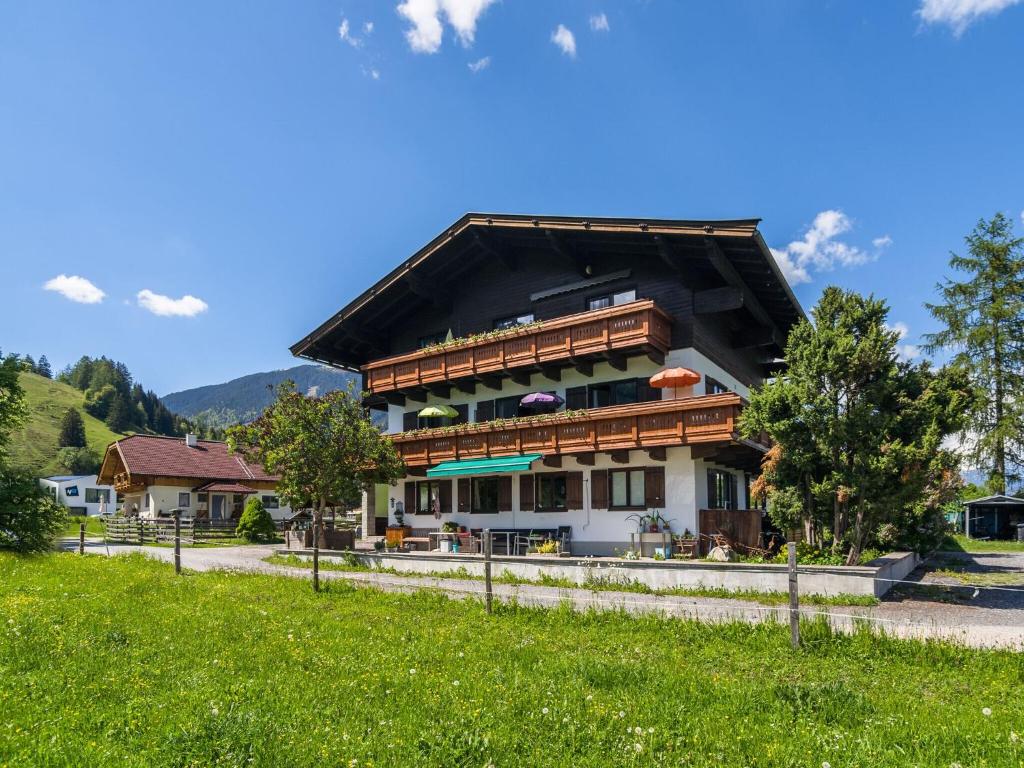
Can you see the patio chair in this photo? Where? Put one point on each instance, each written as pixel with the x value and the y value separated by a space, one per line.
pixel 565 539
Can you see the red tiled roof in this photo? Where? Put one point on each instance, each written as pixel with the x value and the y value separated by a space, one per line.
pixel 169 456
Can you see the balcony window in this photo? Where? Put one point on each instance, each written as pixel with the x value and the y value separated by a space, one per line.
pixel 714 387
pixel 511 322
pixel 552 493
pixel 607 393
pixel 431 339
pixel 611 299
pixel 485 496
pixel 627 489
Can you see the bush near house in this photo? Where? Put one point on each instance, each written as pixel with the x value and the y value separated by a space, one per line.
pixel 255 524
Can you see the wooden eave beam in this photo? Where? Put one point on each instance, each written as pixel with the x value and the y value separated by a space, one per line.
pixel 490 248
pixel 724 299
pixel 725 268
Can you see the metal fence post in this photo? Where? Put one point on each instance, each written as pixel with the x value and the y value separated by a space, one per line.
pixel 81 538
pixel 177 542
pixel 488 593
pixel 794 597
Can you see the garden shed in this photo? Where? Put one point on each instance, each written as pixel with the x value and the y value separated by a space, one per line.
pixel 993 517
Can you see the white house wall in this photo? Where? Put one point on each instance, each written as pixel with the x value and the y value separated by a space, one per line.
pixel 164 498
pixel 83 482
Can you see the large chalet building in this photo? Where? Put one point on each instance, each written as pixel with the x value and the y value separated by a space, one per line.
pixel 498 307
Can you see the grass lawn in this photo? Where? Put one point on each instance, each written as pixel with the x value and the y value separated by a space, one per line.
pixel 93 526
pixel 118 662
pixel 596 584
pixel 963 544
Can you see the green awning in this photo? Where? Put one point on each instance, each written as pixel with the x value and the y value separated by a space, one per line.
pixel 484 466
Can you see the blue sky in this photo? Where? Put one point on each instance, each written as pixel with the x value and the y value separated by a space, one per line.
pixel 229 174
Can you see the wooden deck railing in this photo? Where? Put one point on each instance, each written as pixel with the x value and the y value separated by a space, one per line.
pixel 661 423
pixel 639 326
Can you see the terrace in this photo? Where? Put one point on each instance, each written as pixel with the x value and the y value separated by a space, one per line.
pixel 612 334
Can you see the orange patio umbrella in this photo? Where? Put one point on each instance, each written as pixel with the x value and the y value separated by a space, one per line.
pixel 675 378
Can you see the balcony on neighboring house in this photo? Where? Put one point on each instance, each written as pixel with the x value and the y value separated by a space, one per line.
pixel 708 421
pixel 611 334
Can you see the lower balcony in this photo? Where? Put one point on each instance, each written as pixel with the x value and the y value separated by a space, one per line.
pixel 704 420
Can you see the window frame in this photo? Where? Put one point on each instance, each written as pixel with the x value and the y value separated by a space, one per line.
pixel 428 483
pixel 99 495
pixel 513 321
pixel 713 386
pixel 270 502
pixel 728 486
pixel 188 499
pixel 628 472
pixel 431 339
pixel 610 296
pixel 473 484
pixel 541 477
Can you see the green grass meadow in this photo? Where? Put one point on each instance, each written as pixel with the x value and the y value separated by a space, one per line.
pixel 117 662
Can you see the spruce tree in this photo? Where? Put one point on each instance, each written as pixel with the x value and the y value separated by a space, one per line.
pixel 43 367
pixel 119 416
pixel 72 430
pixel 983 315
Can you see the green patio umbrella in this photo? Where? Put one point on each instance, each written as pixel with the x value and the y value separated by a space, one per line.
pixel 438 412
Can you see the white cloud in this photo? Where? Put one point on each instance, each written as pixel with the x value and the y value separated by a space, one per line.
pixel 882 242
pixel 165 306
pixel 424 36
pixel 599 23
pixel 960 14
pixel 368 28
pixel 345 35
pixel 904 351
pixel 75 288
pixel 564 39
pixel 820 250
pixel 476 66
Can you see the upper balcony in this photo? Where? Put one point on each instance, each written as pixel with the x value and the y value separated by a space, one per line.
pixel 639 327
pixel 704 420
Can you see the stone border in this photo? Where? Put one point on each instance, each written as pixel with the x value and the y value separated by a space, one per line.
pixel 873 579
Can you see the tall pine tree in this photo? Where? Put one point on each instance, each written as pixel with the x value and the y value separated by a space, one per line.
pixel 983 315
pixel 72 430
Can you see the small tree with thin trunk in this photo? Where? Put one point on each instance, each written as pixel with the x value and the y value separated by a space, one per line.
pixel 324 449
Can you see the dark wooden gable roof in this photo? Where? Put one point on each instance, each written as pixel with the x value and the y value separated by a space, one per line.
pixel 726 253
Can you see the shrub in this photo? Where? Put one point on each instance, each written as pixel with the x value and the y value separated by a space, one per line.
pixel 30 519
pixel 78 461
pixel 256 524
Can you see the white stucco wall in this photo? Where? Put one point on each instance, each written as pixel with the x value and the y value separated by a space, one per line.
pixel 164 498
pixel 59 486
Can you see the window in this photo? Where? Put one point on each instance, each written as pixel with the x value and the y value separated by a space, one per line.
pixel 202 499
pixel 627 489
pixel 96 495
pixel 485 496
pixel 270 502
pixel 552 494
pixel 431 339
pixel 713 386
pixel 71 490
pixel 428 492
pixel 507 407
pixel 721 489
pixel 411 419
pixel 621 392
pixel 611 299
pixel 147 504
pixel 512 322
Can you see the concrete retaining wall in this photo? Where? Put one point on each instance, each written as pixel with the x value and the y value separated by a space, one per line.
pixel 813 579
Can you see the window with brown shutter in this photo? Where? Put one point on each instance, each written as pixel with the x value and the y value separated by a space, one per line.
pixel 504 494
pixel 599 489
pixel 410 497
pixel 444 497
pixel 654 486
pixel 526 493
pixel 574 490
pixel 464 491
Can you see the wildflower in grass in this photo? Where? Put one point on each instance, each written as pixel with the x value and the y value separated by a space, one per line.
pixel 590 697
pixel 214 711
pixel 1014 737
pixel 412 671
pixel 826 764
pixel 621 714
pixel 986 711
pixel 455 683
pixel 544 711
pixel 638 747
pixel 638 730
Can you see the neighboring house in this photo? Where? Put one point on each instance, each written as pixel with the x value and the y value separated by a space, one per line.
pixel 993 517
pixel 501 306
pixel 154 475
pixel 81 494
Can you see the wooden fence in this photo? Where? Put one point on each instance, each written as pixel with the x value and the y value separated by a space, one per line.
pixel 139 531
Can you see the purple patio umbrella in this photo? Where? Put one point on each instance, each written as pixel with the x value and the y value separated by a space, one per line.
pixel 541 401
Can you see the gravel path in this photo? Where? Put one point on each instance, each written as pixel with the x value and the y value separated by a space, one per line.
pixel 938 606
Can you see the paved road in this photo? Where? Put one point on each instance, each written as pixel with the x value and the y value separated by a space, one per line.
pixel 942 608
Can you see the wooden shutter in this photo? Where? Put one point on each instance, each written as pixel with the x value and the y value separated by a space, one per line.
pixel 576 398
pixel 599 489
pixel 484 411
pixel 505 494
pixel 574 490
pixel 465 495
pixel 410 498
pixel 463 417
pixel 410 421
pixel 654 487
pixel 444 496
pixel 526 483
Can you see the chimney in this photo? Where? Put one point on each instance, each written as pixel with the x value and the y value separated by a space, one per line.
pixel 191 440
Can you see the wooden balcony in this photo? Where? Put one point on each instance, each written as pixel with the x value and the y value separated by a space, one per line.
pixel 662 423
pixel 639 327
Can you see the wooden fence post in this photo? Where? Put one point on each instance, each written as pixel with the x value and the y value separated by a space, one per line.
pixel 488 592
pixel 177 542
pixel 142 539
pixel 794 597
pixel 81 538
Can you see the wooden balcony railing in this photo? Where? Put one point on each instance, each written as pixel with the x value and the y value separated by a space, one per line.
pixel 660 423
pixel 639 326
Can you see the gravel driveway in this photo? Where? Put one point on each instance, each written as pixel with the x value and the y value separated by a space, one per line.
pixel 938 605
